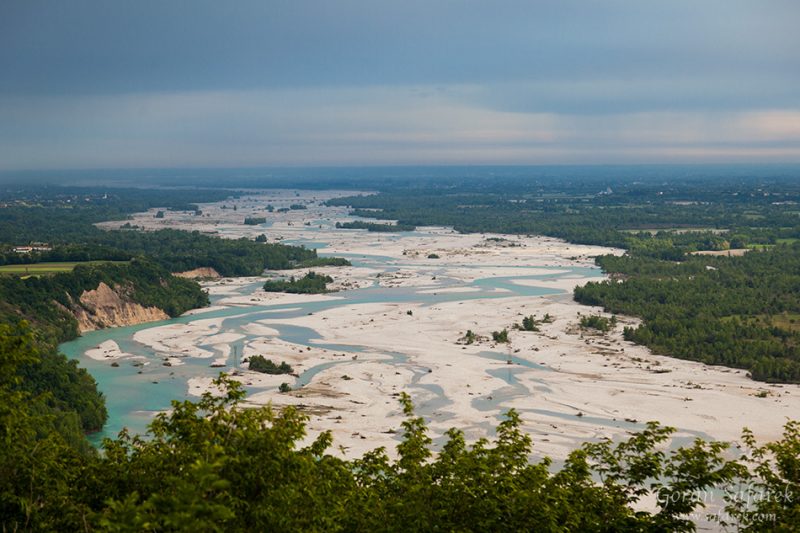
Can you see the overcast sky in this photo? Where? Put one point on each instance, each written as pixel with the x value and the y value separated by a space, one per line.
pixel 112 84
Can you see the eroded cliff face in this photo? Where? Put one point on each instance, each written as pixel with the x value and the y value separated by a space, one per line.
pixel 199 273
pixel 106 307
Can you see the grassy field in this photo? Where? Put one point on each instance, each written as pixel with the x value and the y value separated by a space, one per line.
pixel 42 269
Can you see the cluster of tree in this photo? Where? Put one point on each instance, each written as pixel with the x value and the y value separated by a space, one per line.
pixel 717 310
pixel 183 250
pixel 214 465
pixel 297 207
pixel 258 363
pixel 598 322
pixel 374 226
pixel 311 283
pixel 66 396
pixel 254 221
pixel 500 336
pixel 529 323
pixel 469 337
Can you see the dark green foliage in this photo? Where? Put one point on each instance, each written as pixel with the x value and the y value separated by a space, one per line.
pixel 254 221
pixel 258 363
pixel 297 207
pixel 500 336
pixel 215 465
pixel 311 283
pixel 261 238
pixel 598 322
pixel 182 250
pixel 771 499
pixel 284 388
pixel 717 310
pixel 470 337
pixel 373 226
pixel 160 214
pixel 65 389
pixel 44 453
pixel 63 394
pixel 323 261
pixel 529 323
pixel 433 256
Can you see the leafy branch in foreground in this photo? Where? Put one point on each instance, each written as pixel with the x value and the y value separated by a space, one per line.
pixel 215 465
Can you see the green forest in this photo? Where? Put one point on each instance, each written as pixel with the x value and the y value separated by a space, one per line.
pixel 311 283
pixel 742 312
pixel 214 465
pixel 375 226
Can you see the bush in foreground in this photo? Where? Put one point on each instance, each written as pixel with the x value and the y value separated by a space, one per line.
pixel 214 465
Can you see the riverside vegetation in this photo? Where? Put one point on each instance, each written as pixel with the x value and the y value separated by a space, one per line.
pixel 213 465
pixel 311 283
pixel 742 312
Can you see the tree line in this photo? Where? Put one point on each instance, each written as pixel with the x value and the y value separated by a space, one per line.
pixel 214 465
pixel 742 312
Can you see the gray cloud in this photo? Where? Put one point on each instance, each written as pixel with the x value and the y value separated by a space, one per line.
pixel 375 125
pixel 97 83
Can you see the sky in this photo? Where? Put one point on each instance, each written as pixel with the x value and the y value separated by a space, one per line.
pixel 196 83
